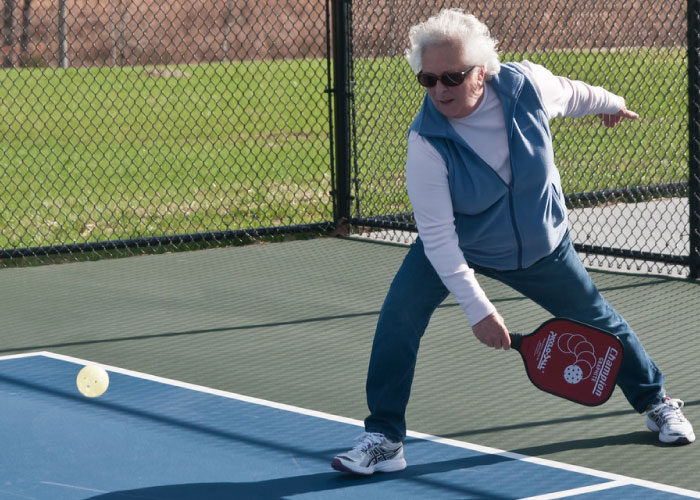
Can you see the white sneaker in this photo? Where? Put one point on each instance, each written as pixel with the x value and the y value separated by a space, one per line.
pixel 372 453
pixel 667 419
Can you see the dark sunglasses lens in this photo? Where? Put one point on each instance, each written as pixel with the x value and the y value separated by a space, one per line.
pixel 452 79
pixel 447 79
pixel 427 80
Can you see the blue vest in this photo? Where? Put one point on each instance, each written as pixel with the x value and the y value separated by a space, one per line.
pixel 503 226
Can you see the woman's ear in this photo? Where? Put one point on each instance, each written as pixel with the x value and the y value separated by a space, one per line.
pixel 481 77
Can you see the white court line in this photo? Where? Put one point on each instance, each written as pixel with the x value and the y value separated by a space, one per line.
pixel 616 480
pixel 578 491
pixel 73 487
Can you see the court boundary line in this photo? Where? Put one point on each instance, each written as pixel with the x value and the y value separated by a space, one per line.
pixel 614 480
pixel 578 491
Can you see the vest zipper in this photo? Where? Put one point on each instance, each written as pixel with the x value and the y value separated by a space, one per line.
pixel 516 230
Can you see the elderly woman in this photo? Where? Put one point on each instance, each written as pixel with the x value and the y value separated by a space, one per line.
pixel 487 196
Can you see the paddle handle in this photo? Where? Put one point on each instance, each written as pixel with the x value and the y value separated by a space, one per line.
pixel 516 340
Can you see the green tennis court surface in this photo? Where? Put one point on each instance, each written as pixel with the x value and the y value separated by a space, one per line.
pixel 292 323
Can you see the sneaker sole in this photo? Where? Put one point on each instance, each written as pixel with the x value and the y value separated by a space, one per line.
pixel 678 440
pixel 651 425
pixel 388 466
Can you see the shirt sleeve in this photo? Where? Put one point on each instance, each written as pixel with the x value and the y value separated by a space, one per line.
pixel 429 193
pixel 564 97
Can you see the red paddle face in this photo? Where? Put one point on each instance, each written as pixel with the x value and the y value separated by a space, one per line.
pixel 572 360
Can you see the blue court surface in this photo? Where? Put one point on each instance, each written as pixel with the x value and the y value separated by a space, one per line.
pixel 152 438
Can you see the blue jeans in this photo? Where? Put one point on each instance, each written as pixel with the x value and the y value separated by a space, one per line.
pixel 559 283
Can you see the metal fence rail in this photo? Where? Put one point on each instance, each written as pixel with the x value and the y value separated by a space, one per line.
pixel 132 124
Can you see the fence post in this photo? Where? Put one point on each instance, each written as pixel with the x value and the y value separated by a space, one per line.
pixel 62 45
pixel 694 135
pixel 342 95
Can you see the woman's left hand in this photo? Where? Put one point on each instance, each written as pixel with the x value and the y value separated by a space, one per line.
pixel 612 120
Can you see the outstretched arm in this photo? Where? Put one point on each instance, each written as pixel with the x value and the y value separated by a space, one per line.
pixel 562 96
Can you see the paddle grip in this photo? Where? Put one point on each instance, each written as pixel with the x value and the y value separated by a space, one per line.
pixel 516 340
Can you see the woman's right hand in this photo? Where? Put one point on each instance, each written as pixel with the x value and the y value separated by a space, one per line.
pixel 492 331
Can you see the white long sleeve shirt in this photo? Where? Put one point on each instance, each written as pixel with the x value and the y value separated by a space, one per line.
pixel 484 131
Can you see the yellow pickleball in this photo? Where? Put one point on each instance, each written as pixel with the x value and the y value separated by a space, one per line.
pixel 92 381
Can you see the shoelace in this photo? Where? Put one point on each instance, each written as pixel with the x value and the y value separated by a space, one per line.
pixel 669 409
pixel 368 439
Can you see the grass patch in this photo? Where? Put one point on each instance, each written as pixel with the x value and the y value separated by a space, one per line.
pixel 113 153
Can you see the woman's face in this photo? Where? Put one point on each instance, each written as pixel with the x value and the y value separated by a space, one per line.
pixel 449 57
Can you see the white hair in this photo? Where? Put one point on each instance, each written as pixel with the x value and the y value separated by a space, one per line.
pixel 454 25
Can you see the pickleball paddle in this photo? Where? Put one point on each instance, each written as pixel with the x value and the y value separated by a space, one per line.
pixel 571 359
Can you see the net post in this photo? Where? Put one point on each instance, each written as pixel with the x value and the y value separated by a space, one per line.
pixel 694 135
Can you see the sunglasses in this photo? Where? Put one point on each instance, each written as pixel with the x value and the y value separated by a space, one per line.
pixel 450 79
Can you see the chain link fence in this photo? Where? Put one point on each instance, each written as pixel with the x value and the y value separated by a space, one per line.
pixel 132 124
pixel 627 188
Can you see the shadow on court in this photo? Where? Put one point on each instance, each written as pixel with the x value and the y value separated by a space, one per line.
pixel 555 421
pixel 326 481
pixel 638 437
pixel 204 331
